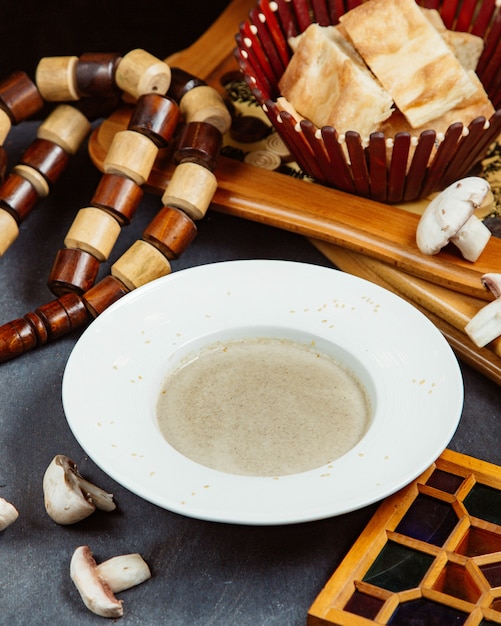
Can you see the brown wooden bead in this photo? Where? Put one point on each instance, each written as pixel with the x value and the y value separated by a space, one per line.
pixel 171 231
pixel 95 74
pixel 4 160
pixel 9 230
pixel 119 195
pixel 46 157
pixel 131 154
pixel 104 294
pixel 94 231
pixel 155 116
pixel 181 82
pixel 205 104
pixel 139 72
pixel 5 126
pixel 191 189
pixel 16 338
pixel 18 196
pixel 39 327
pixel 20 97
pixel 66 126
pixel 63 315
pixel 199 142
pixel 56 78
pixel 73 270
pixel 140 264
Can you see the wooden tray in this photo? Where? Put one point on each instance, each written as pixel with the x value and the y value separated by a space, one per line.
pixel 336 220
pixel 430 555
pixel 378 230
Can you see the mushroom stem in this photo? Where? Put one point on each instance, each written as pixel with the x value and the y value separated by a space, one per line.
pixel 123 572
pixel 485 326
pixel 95 593
pixel 68 497
pixel 493 283
pixel 8 514
pixel 472 238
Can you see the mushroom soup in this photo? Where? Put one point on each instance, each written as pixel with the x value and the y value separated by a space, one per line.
pixel 262 407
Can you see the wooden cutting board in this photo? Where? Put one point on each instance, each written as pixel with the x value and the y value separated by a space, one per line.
pixel 334 220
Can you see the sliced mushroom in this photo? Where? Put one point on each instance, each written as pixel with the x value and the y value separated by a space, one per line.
pixel 8 514
pixel 123 572
pixel 69 497
pixel 450 217
pixel 485 326
pixel 94 591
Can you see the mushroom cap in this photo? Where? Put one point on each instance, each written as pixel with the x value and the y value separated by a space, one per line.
pixel 8 514
pixel 448 212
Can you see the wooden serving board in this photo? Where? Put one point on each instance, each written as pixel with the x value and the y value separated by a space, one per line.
pixel 341 224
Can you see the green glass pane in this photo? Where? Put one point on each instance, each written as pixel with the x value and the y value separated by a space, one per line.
pixel 484 502
pixel 397 568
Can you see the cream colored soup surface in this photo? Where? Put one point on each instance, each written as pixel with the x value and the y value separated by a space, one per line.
pixel 262 407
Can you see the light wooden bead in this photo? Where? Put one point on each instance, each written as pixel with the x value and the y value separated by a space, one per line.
pixel 65 126
pixel 191 189
pixel 140 264
pixel 205 104
pixel 20 97
pixel 56 78
pixel 182 82
pixel 139 72
pixel 131 154
pixel 73 270
pixel 94 231
pixel 9 230
pixel 5 126
pixel 104 294
pixel 35 178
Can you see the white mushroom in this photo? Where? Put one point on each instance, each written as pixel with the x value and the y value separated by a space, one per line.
pixel 123 572
pixel 69 497
pixel 8 514
pixel 449 217
pixel 485 326
pixel 94 591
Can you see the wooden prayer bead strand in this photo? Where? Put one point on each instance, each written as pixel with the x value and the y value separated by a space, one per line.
pixel 171 231
pixel 66 126
pixel 20 97
pixel 95 74
pixel 205 104
pixel 56 78
pixel 139 72
pixel 47 323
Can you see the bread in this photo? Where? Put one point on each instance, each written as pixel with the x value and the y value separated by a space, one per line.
pixel 409 57
pixel 327 82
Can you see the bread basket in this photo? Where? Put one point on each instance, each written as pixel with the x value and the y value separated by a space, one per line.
pixel 389 170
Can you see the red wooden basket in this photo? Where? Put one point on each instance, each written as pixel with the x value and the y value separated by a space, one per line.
pixel 371 171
